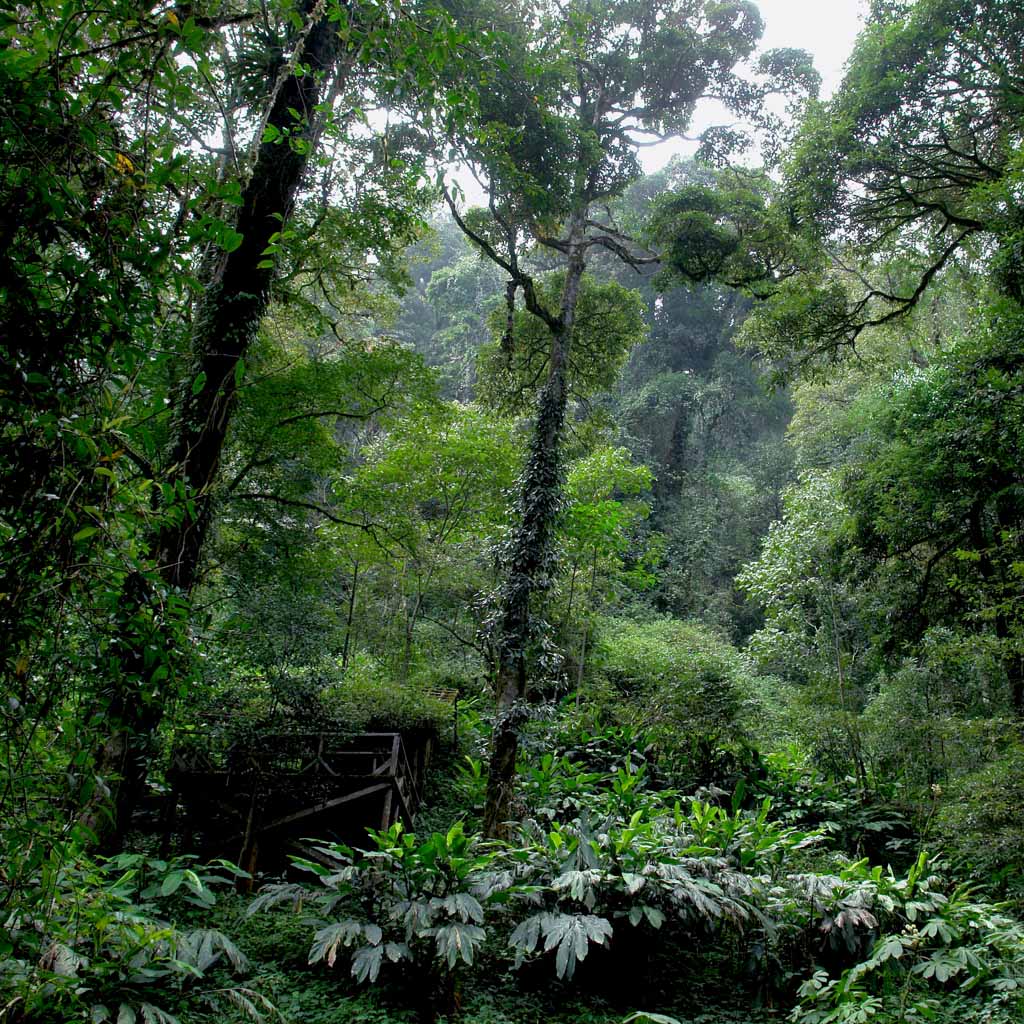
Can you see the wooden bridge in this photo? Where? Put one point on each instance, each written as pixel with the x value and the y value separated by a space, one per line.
pixel 259 797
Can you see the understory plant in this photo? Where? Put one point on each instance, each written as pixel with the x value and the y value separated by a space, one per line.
pixel 627 863
pixel 928 953
pixel 121 940
pixel 615 872
pixel 418 904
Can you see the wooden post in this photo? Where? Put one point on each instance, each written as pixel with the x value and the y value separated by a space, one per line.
pixel 250 844
pixel 188 829
pixel 389 796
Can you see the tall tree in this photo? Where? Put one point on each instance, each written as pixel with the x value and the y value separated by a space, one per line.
pixel 580 87
pixel 169 248
pixel 103 200
pixel 906 187
pixel 906 169
pixel 228 314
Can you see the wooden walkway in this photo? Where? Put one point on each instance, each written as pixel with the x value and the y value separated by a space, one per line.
pixel 259 797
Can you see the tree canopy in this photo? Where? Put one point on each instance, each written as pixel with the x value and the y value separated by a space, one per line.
pixel 596 599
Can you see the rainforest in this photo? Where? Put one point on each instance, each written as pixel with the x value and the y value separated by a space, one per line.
pixel 511 513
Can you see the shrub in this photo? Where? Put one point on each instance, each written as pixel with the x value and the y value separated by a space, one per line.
pixel 685 686
pixel 362 697
pixel 120 940
pixel 626 865
pixel 980 825
pixel 859 825
pixel 366 697
pixel 939 957
pixel 414 907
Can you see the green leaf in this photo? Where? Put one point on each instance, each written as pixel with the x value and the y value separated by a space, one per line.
pixel 634 883
pixel 366 963
pixel 458 940
pixel 526 934
pixel 891 948
pixel 172 883
pixel 154 1015
pixel 199 383
pixel 326 940
pixel 396 951
pixel 649 1018
pixel 572 935
pixel 252 1004
pixel 654 916
pixel 464 906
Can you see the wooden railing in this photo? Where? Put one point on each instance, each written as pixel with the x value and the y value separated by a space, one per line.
pixel 330 754
pixel 277 783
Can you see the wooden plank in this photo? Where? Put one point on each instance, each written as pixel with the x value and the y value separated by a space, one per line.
pixel 303 767
pixel 326 805
pixel 413 799
pixel 270 771
pixel 250 846
pixel 403 807
pixel 386 813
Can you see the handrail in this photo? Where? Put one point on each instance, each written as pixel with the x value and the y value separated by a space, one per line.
pixel 307 756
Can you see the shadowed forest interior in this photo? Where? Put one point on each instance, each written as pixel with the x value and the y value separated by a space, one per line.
pixel 450 574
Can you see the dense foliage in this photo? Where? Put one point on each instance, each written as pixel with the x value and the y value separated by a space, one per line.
pixel 680 517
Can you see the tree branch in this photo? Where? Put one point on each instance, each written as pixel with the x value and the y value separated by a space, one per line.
pixel 309 506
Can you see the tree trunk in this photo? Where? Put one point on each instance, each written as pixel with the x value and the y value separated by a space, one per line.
pixel 350 614
pixel 528 566
pixel 581 667
pixel 227 320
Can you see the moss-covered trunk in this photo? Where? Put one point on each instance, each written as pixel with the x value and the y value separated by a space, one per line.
pixel 227 319
pixel 528 567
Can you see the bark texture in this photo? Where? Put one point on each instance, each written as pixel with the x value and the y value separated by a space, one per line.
pixel 528 566
pixel 227 319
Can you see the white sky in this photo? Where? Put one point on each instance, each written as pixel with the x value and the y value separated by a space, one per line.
pixel 827 28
